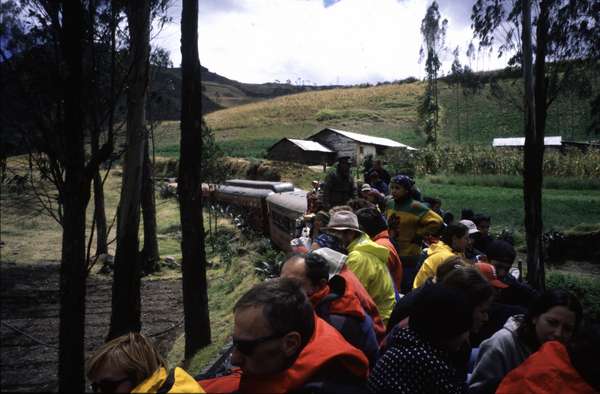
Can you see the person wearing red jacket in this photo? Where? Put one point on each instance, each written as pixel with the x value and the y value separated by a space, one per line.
pixel 337 266
pixel 280 345
pixel 333 301
pixel 556 367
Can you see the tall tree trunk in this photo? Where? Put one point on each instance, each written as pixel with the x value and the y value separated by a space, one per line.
pixel 100 215
pixel 126 308
pixel 74 195
pixel 195 297
pixel 535 113
pixel 150 255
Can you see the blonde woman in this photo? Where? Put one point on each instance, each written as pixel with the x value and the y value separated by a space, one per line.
pixel 131 364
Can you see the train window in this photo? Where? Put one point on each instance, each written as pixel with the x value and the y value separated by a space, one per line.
pixel 281 221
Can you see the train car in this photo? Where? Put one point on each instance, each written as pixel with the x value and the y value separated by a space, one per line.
pixel 250 197
pixel 285 211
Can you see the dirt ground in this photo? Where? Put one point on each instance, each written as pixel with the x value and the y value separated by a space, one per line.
pixel 29 303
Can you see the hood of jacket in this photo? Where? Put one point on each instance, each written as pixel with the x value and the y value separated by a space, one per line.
pixel 438 247
pixel 364 244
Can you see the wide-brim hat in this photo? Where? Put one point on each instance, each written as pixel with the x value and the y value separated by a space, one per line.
pixel 343 220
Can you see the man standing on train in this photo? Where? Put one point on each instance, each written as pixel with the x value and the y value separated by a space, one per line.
pixel 339 186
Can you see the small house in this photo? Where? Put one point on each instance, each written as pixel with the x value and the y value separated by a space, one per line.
pixel 355 145
pixel 301 151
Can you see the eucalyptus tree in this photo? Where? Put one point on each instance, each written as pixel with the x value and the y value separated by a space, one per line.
pixel 549 40
pixel 433 30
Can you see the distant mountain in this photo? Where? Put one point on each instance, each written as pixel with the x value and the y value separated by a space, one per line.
pixel 218 92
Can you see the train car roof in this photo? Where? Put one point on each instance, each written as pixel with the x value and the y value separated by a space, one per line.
pixel 243 191
pixel 277 187
pixel 294 201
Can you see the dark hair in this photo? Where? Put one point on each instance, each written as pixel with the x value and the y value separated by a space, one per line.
pixel 502 251
pixel 285 306
pixel 432 200
pixel 371 221
pixel 467 214
pixel 317 268
pixel 472 282
pixel 360 203
pixel 451 263
pixel 453 230
pixel 448 217
pixel 481 217
pixel 323 217
pixel 441 313
pixel 542 303
pixel 583 352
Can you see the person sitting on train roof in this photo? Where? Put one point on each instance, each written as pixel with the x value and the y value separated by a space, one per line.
pixel 280 345
pixel 339 186
pixel 378 183
pixel 470 252
pixel 337 266
pixel 419 357
pixel 501 255
pixel 131 363
pixel 554 315
pixel 455 238
pixel 483 239
pixel 409 221
pixel 570 369
pixel 383 174
pixel 372 195
pixel 372 223
pixel 366 259
pixel 334 300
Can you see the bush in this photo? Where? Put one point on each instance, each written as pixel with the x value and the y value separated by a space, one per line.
pixel 469 159
pixel 586 288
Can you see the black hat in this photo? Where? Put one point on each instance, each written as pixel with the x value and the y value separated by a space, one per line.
pixel 441 313
pixel 501 251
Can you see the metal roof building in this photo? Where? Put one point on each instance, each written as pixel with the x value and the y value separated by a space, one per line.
pixel 354 145
pixel 301 151
pixel 555 141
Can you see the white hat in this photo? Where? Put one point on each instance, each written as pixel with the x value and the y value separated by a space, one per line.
pixel 366 188
pixel 343 220
pixel 335 260
pixel 470 225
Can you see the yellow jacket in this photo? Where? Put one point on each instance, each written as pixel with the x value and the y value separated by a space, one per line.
pixel 368 261
pixel 179 380
pixel 436 255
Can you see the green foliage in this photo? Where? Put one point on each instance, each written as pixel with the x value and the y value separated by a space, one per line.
pixel 515 181
pixel 268 262
pixel 476 160
pixel 586 288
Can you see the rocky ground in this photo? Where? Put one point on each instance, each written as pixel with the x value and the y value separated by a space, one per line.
pixel 29 315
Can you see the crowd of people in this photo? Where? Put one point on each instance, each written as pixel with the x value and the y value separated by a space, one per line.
pixel 390 295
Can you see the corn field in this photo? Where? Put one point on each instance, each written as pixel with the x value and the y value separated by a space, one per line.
pixel 477 160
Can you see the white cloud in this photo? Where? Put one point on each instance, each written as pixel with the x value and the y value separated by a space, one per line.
pixel 352 41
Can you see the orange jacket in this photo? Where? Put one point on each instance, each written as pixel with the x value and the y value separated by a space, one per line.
pixel 326 347
pixel 394 264
pixel 348 304
pixel 546 371
pixel 354 285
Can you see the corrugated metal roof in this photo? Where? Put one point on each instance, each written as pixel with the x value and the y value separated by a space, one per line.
pixel 520 141
pixel 310 145
pixel 367 139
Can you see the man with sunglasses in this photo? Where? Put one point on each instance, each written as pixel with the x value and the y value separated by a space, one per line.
pixel 280 345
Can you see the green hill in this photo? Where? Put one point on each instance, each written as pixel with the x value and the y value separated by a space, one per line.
pixel 387 110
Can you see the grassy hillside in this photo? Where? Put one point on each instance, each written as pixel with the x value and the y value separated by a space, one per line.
pixel 388 110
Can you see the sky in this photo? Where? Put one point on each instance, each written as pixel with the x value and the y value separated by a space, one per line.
pixel 320 41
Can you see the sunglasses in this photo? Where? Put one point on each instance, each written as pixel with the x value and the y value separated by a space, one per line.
pixel 107 386
pixel 247 346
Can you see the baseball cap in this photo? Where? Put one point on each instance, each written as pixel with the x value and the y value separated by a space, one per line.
pixel 470 225
pixel 489 271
